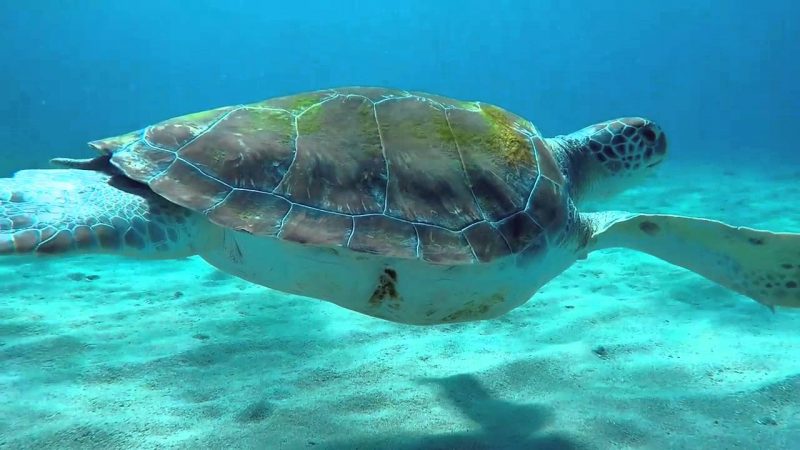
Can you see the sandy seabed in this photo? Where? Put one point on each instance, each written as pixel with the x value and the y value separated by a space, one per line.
pixel 621 351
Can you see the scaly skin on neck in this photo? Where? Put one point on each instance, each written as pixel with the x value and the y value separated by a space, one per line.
pixel 568 152
pixel 609 157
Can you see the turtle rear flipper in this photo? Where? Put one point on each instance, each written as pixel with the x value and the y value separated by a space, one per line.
pixel 82 211
pixel 99 163
pixel 762 265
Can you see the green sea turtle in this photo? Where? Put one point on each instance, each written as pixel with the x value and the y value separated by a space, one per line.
pixel 406 206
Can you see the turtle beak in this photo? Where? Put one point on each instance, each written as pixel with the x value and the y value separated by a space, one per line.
pixel 660 149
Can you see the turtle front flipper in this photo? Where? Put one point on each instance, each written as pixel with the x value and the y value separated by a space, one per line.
pixel 83 211
pixel 762 265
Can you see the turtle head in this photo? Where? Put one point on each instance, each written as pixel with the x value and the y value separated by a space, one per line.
pixel 609 157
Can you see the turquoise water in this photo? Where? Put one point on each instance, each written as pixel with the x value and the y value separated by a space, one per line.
pixel 621 351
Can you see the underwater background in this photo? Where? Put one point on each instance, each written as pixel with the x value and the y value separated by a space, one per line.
pixel 621 351
pixel 720 76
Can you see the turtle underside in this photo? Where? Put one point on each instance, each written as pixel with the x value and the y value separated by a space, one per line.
pixel 395 173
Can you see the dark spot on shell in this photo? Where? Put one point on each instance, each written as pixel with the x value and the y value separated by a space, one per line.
pixel 649 228
pixel 386 288
pixel 649 134
pixel 756 241
pixel 391 290
pixel 791 284
pixel 786 266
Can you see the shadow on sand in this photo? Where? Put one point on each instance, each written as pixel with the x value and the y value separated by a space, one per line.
pixel 500 424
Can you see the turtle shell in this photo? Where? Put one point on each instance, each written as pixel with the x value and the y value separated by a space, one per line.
pixel 397 173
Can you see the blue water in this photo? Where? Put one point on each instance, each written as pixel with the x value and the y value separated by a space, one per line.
pixel 719 76
pixel 110 353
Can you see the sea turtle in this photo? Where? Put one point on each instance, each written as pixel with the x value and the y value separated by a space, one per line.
pixel 405 206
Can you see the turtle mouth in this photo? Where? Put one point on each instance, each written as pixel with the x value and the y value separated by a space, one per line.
pixel 654 164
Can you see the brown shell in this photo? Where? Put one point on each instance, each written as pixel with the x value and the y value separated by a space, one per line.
pixel 397 173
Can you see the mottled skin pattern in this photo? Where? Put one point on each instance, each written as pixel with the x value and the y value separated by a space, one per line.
pixel 380 171
pixel 58 211
pixel 603 159
pixel 627 144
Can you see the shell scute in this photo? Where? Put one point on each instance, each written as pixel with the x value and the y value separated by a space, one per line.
pixel 257 213
pixel 114 144
pixel 296 104
pixel 426 177
pixel 487 242
pixel 312 226
pixel 384 236
pixel 501 180
pixel 396 173
pixel 248 148
pixel 142 162
pixel 185 185
pixel 374 94
pixel 438 245
pixel 546 163
pixel 519 231
pixel 339 164
pixel 175 133
pixel 549 206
